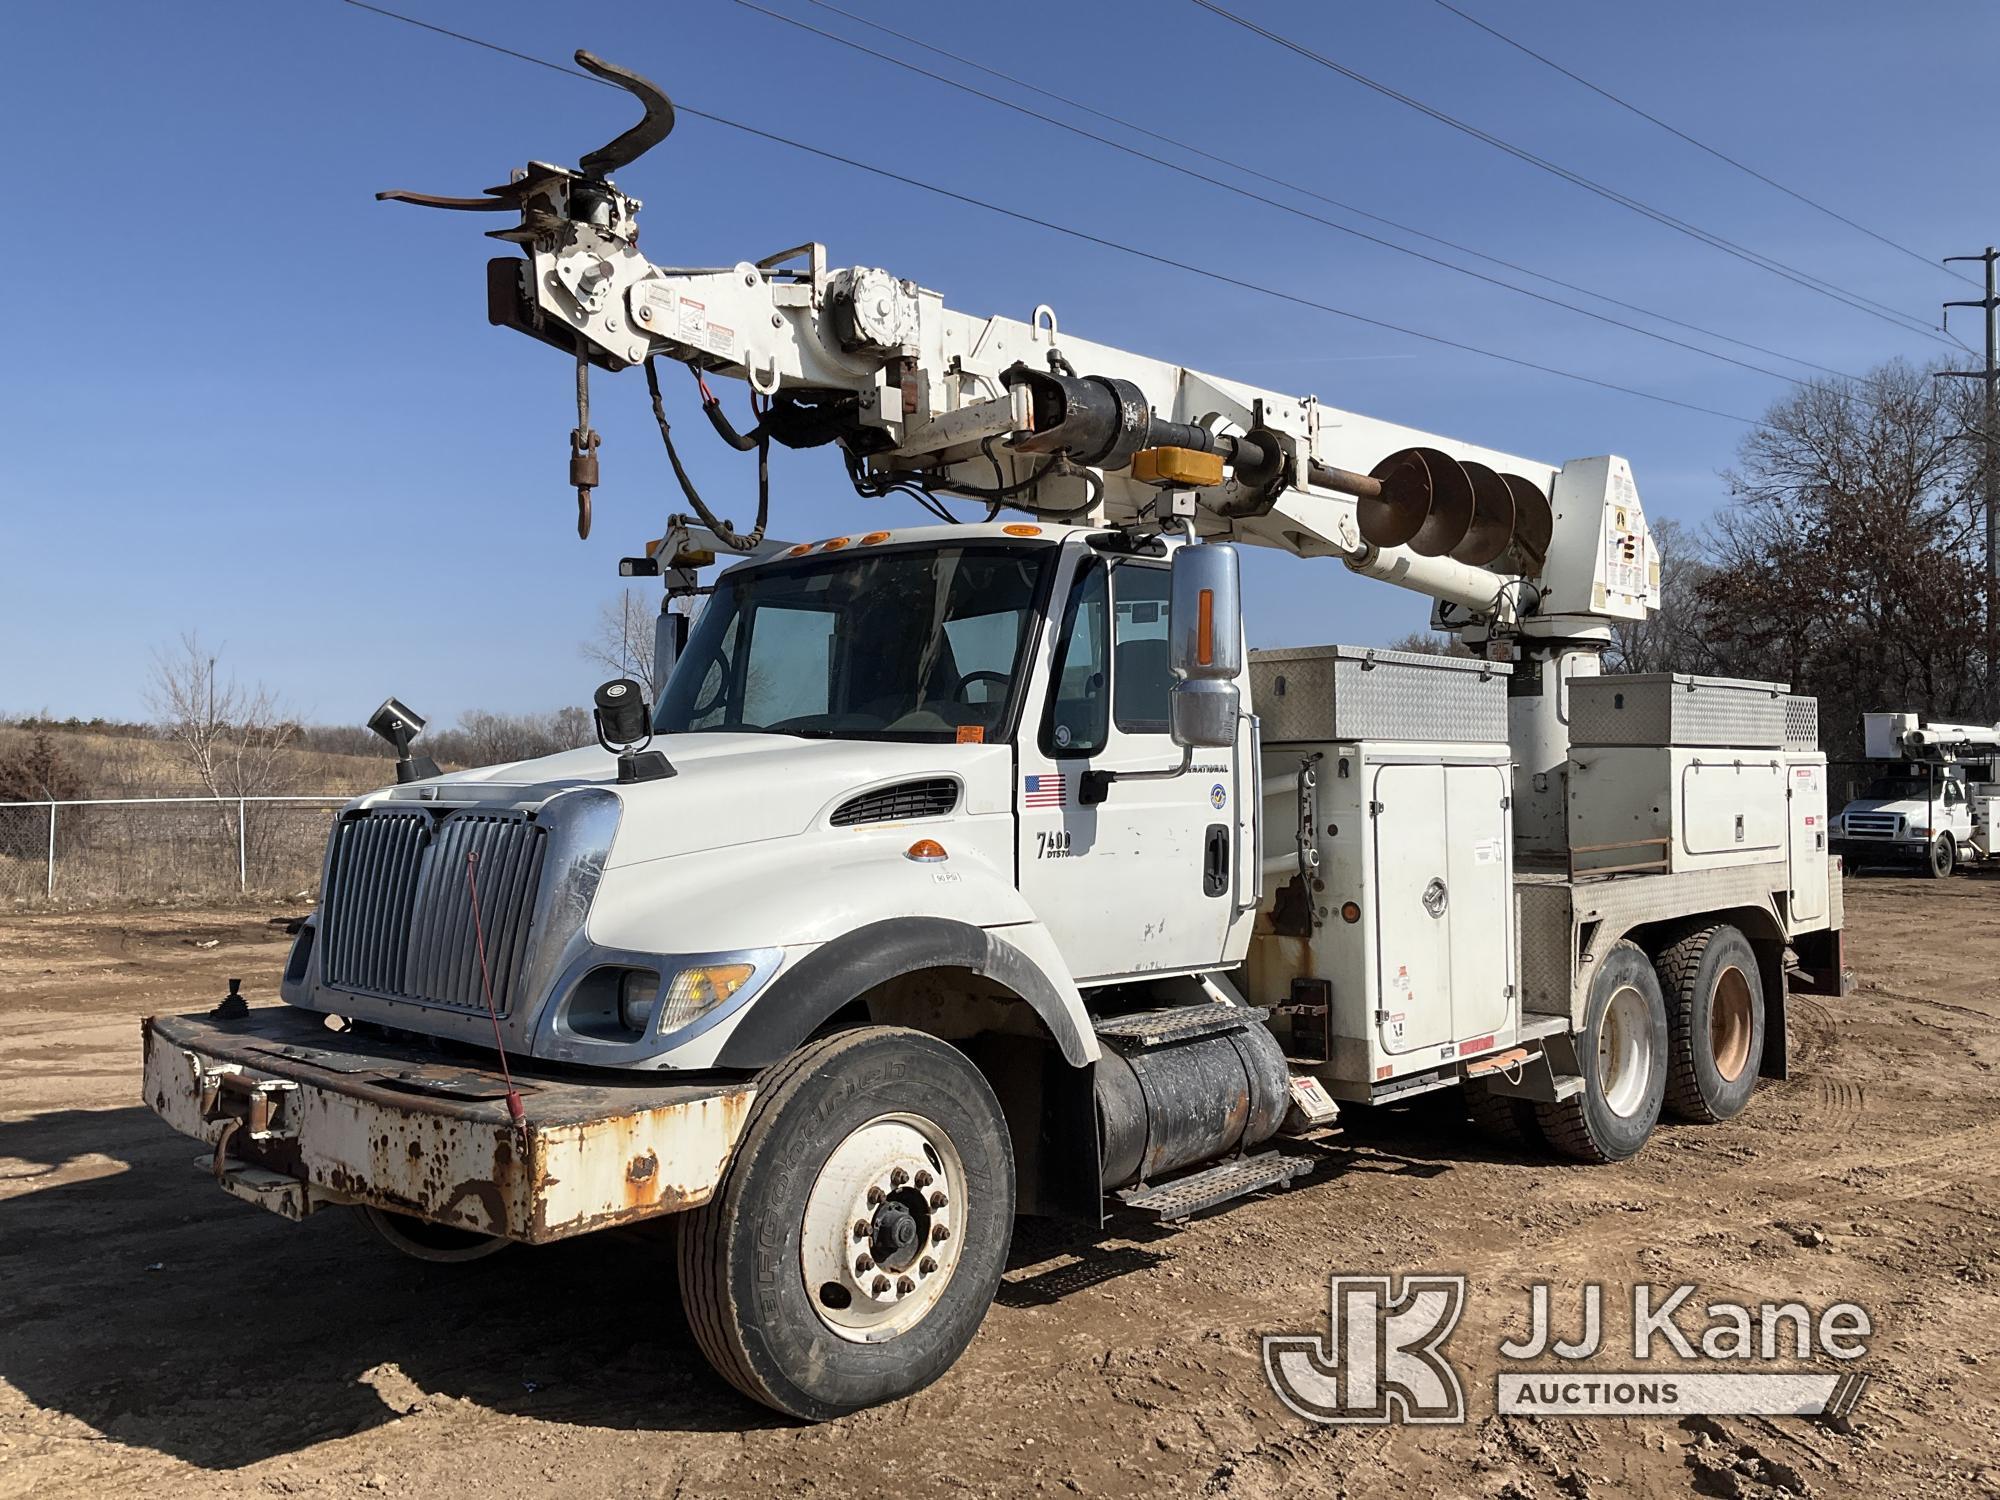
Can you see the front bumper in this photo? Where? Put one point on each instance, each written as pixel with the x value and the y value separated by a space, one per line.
pixel 297 1117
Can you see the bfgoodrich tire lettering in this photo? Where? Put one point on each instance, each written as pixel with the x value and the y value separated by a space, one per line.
pixel 741 1264
pixel 1715 1023
pixel 1623 1055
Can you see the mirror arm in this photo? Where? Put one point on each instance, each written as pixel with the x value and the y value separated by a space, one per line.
pixel 1096 785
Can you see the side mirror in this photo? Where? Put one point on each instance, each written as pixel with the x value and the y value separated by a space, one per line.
pixel 1205 645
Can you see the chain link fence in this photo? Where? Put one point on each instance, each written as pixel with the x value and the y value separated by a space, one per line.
pixel 127 850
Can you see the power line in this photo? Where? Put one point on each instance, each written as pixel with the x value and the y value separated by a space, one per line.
pixel 1279 204
pixel 1293 187
pixel 1722 156
pixel 1067 231
pixel 1756 258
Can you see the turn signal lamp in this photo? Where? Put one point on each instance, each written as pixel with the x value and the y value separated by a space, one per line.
pixel 1021 528
pixel 1204 639
pixel 925 851
pixel 697 991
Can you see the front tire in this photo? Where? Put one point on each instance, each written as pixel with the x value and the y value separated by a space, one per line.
pixel 1715 1017
pixel 859 1232
pixel 1623 1056
pixel 1941 858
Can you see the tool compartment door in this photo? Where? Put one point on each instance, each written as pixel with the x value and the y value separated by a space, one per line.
pixel 1479 916
pixel 1412 926
pixel 1806 799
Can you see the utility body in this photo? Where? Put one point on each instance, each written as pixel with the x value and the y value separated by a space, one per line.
pixel 968 870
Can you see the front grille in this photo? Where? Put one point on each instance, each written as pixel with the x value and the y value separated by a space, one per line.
pixel 1872 825
pixel 931 798
pixel 397 917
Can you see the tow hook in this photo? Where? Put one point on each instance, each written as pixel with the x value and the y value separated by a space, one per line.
pixel 264 1107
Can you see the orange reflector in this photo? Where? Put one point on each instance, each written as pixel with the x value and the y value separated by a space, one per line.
pixel 1349 912
pixel 972 734
pixel 833 546
pixel 873 537
pixel 1384 1071
pixel 1204 628
pixel 799 551
pixel 653 547
pixel 1022 529
pixel 925 851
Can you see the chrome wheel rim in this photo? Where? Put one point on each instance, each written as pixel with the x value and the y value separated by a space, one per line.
pixel 1624 1053
pixel 882 1230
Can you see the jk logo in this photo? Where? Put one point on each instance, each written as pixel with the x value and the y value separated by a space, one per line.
pixel 1380 1360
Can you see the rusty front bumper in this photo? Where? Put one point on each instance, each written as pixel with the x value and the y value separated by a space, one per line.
pixel 297 1117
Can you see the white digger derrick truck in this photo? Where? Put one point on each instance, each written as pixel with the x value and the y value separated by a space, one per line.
pixel 1932 800
pixel 970 870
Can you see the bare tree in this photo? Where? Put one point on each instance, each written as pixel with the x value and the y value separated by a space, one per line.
pixel 1430 643
pixel 1846 562
pixel 622 643
pixel 484 739
pixel 233 738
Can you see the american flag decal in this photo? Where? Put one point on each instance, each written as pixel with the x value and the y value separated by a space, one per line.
pixel 1044 791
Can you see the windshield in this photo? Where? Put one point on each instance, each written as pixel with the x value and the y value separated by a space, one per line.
pixel 921 643
pixel 1900 789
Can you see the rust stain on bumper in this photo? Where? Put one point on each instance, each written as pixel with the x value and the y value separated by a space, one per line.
pixel 387 1125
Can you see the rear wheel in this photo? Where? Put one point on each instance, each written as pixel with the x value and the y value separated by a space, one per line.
pixel 1942 856
pixel 1715 1021
pixel 859 1231
pixel 1505 1118
pixel 1623 1056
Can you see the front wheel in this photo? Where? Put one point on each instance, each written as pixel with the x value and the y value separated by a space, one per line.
pixel 1942 856
pixel 859 1231
pixel 1623 1056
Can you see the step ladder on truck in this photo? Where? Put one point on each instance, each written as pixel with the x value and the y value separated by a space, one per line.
pixel 967 871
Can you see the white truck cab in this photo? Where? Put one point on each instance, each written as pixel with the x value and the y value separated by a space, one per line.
pixel 1930 801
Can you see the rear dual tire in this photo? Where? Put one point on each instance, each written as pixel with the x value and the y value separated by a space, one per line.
pixel 1715 1019
pixel 1622 1055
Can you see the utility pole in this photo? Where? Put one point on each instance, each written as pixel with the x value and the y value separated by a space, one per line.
pixel 1989 466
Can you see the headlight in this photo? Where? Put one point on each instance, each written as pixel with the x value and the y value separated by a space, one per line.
pixel 1920 830
pixel 636 993
pixel 697 991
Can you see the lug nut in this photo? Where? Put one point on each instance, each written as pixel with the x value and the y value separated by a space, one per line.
pixel 904 1286
pixel 926 1265
pixel 897 1177
pixel 881 1287
pixel 863 1264
pixel 861 1229
pixel 923 1179
pixel 874 1196
pixel 940 1233
pixel 938 1199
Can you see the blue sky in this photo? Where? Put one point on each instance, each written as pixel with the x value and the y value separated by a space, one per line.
pixel 241 397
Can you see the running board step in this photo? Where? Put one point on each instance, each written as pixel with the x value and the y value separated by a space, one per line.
pixel 1153 1028
pixel 1186 1196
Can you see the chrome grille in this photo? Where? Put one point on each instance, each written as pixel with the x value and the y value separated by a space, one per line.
pixel 1872 825
pixel 397 918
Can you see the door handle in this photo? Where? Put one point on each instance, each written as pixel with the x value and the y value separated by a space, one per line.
pixel 1215 861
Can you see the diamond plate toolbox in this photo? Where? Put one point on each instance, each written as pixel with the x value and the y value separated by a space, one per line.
pixel 1677 708
pixel 1318 693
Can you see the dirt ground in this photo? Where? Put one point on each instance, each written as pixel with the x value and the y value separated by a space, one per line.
pixel 158 1337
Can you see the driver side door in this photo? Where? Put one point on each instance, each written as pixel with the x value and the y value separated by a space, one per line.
pixel 1144 880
